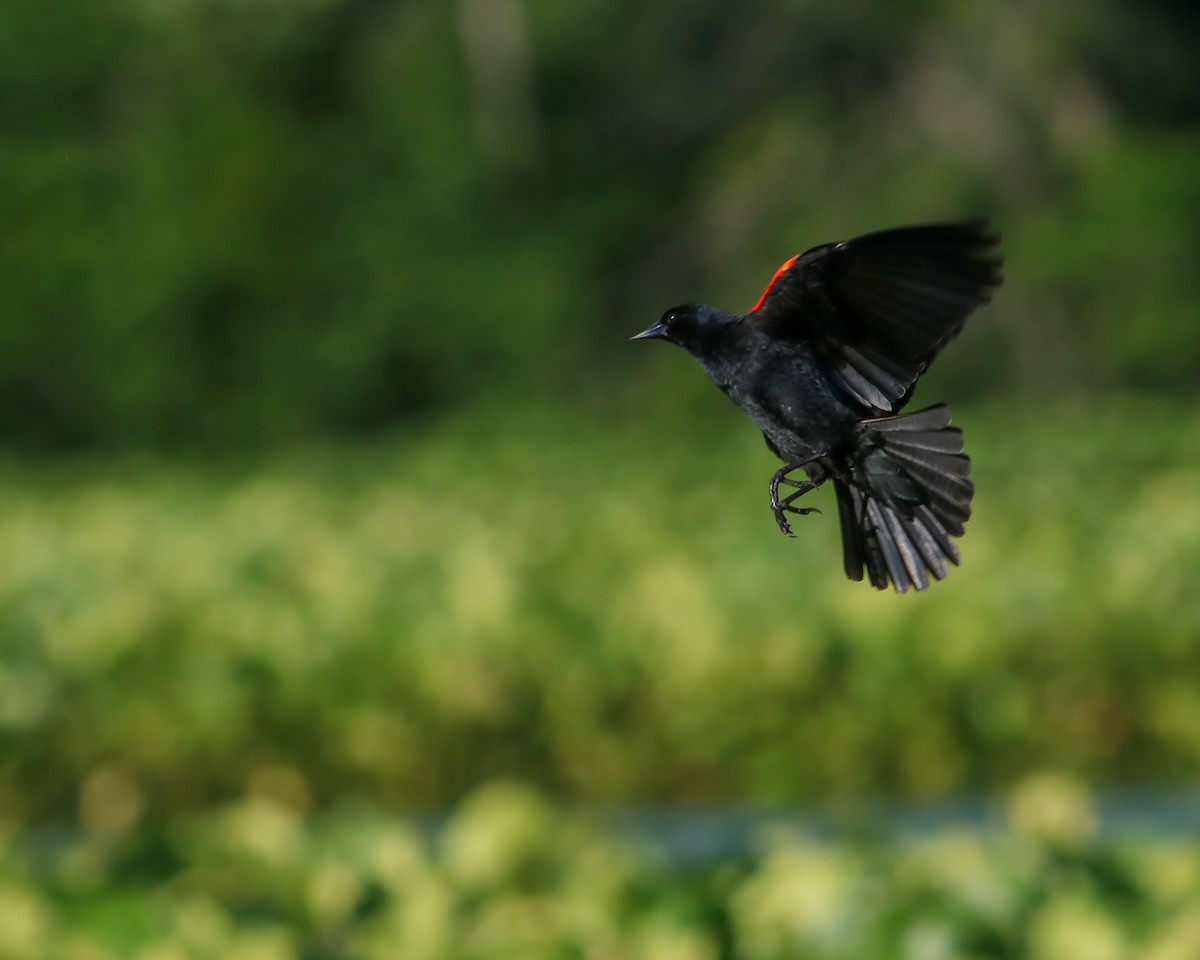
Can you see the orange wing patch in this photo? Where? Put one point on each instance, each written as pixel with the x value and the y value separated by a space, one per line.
pixel 775 279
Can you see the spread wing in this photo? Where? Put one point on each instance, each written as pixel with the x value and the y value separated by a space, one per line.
pixel 880 307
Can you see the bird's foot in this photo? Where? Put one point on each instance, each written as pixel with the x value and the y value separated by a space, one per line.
pixel 784 527
pixel 781 506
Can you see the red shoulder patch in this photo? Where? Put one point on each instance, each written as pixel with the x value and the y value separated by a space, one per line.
pixel 774 280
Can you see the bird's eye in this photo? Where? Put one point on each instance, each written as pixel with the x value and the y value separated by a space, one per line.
pixel 679 322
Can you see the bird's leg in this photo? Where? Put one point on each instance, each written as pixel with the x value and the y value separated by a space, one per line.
pixel 779 507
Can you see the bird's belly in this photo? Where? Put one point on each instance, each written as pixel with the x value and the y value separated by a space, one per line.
pixel 784 388
pixel 795 437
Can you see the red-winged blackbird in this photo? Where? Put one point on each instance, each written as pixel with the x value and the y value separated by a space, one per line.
pixel 830 352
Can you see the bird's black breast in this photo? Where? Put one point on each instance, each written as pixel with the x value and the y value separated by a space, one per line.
pixel 782 387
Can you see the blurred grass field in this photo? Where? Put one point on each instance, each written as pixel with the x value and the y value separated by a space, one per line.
pixel 513 876
pixel 226 691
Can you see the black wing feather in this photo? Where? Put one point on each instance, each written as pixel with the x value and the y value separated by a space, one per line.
pixel 880 307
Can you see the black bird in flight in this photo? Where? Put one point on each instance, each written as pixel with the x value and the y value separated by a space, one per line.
pixel 823 363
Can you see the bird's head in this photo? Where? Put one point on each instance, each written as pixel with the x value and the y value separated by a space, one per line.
pixel 692 326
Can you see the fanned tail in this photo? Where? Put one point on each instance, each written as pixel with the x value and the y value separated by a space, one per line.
pixel 907 494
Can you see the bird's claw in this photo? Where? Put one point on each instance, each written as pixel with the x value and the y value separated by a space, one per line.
pixel 779 507
pixel 785 527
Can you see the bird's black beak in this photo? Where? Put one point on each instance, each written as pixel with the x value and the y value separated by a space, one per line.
pixel 656 332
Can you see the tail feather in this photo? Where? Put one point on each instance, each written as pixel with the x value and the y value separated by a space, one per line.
pixel 928 420
pixel 948 494
pixel 911 566
pixel 934 527
pixel 932 555
pixel 909 493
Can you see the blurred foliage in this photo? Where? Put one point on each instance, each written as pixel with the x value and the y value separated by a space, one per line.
pixel 406 620
pixel 247 221
pixel 512 876
pixel 382 257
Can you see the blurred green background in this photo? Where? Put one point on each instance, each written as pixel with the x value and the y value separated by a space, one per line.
pixel 360 583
